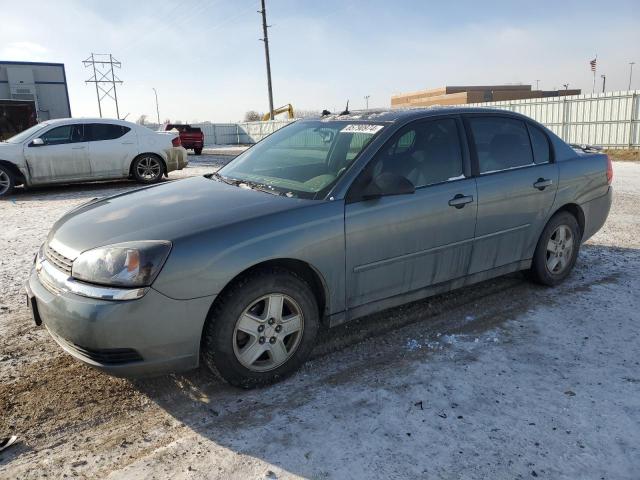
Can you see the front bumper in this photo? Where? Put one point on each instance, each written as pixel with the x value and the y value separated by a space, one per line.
pixel 148 336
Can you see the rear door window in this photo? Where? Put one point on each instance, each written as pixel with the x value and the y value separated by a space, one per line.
pixel 501 143
pixel 95 132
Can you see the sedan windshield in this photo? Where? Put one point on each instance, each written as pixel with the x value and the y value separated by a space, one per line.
pixel 303 160
pixel 22 136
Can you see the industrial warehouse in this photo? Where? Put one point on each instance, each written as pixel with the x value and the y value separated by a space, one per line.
pixel 31 92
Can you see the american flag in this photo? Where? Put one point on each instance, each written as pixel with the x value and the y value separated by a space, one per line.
pixel 593 64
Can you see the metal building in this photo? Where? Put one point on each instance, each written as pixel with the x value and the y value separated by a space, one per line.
pixel 44 84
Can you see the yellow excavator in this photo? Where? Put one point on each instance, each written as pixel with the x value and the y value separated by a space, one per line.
pixel 286 108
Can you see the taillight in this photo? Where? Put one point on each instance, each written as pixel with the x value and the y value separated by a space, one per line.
pixel 176 142
pixel 609 170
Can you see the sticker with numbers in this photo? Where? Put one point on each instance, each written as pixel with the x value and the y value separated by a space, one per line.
pixel 362 128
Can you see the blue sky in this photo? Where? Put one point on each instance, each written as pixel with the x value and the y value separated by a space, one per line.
pixel 205 60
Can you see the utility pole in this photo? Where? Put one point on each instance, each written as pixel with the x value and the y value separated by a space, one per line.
pixel 104 78
pixel 631 64
pixel 366 99
pixel 266 54
pixel 537 84
pixel 604 81
pixel 566 87
pixel 157 108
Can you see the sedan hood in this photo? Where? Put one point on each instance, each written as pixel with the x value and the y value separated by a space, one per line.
pixel 162 212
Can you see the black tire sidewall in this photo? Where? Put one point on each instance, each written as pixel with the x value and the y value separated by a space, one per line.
pixel 143 180
pixel 539 269
pixel 217 345
pixel 12 181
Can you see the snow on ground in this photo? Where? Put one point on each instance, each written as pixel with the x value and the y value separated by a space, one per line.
pixel 501 380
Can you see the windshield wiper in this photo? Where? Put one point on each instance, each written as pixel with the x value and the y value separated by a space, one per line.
pixel 261 187
pixel 222 179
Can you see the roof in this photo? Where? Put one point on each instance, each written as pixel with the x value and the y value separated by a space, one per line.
pixel 396 114
pixel 85 120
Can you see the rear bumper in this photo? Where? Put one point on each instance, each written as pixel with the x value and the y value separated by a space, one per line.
pixel 177 158
pixel 193 144
pixel 596 212
pixel 149 336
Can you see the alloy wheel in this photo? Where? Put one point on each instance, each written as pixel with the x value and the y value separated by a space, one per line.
pixel 149 168
pixel 5 182
pixel 268 332
pixel 559 249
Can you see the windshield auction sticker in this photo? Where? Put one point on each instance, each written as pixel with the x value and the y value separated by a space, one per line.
pixel 362 128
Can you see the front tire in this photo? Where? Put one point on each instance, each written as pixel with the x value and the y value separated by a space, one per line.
pixel 557 250
pixel 197 151
pixel 148 169
pixel 262 329
pixel 7 181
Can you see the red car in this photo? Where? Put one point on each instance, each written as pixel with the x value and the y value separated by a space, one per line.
pixel 190 137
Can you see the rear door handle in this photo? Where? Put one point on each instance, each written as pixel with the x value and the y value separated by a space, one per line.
pixel 543 183
pixel 459 201
pixel 77 148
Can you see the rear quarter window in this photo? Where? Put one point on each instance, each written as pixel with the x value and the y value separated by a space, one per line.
pixel 540 145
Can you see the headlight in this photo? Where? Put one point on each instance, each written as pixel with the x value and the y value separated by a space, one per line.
pixel 129 264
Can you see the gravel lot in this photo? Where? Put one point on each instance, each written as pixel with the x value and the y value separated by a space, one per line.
pixel 501 380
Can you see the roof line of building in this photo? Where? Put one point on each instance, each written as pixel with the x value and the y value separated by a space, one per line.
pixel 46 64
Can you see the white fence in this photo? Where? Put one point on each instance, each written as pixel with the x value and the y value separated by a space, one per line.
pixel 610 119
pixel 238 133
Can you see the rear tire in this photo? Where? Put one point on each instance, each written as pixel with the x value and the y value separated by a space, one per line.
pixel 262 329
pixel 7 181
pixel 197 151
pixel 557 250
pixel 148 168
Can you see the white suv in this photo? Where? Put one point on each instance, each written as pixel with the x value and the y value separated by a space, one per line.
pixel 75 150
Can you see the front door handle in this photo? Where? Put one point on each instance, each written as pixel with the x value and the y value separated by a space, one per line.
pixel 459 201
pixel 543 183
pixel 77 148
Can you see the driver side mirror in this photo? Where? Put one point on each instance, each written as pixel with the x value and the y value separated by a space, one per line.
pixel 36 142
pixel 387 184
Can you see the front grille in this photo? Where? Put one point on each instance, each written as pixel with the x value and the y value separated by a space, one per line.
pixel 111 356
pixel 58 260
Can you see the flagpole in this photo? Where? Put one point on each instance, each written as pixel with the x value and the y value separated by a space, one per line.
pixel 593 89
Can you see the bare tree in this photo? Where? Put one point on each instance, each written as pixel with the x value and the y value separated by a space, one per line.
pixel 252 116
pixel 142 119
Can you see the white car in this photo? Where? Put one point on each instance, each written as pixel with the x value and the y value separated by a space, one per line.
pixel 76 150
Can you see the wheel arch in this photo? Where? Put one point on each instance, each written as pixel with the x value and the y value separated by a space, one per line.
pixel 164 163
pixel 299 267
pixel 18 175
pixel 575 210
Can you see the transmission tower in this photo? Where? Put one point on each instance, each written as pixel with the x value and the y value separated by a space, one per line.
pixel 104 77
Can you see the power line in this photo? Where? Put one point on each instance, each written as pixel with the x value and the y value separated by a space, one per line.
pixel 104 78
